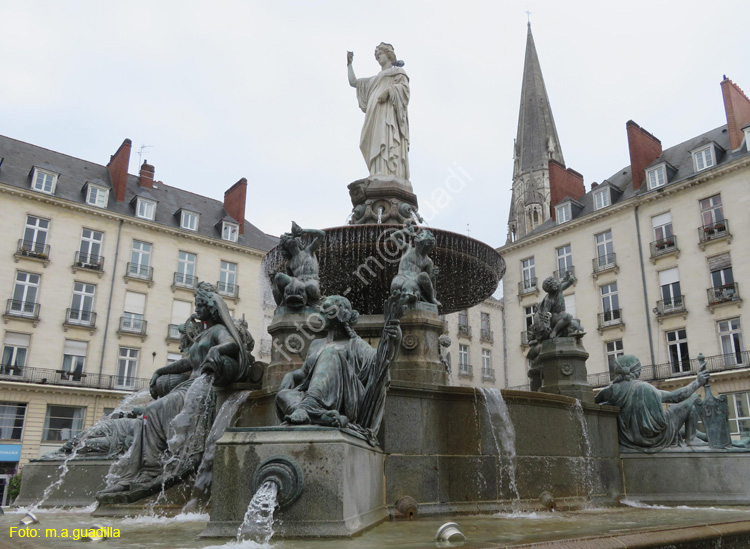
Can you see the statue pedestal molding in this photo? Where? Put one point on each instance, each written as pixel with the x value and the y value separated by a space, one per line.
pixel 382 199
pixel 292 333
pixel 563 364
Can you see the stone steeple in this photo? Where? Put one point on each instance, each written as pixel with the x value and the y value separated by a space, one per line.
pixel 535 145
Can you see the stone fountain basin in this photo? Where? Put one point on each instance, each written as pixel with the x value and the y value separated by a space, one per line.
pixel 359 261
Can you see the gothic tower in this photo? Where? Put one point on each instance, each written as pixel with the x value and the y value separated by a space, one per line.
pixel 535 145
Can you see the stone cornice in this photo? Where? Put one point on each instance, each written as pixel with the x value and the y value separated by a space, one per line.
pixel 141 223
pixel 48 388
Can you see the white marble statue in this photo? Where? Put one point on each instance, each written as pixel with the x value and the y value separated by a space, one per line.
pixel 384 99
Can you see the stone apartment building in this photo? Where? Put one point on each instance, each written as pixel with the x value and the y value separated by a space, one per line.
pixel 99 271
pixel 658 248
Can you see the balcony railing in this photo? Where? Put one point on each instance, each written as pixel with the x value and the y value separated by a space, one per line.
pixel 138 271
pixel 723 294
pixel 465 370
pixel 602 379
pixel 76 379
pixel 78 317
pixel 130 325
pixel 228 290
pixel 488 374
pixel 173 332
pixel 609 319
pixel 182 280
pixel 604 263
pixel 717 230
pixel 527 286
pixel 561 273
pixel 664 246
pixel 666 307
pixel 464 330
pixel 486 336
pixel 88 261
pixel 24 309
pixel 33 250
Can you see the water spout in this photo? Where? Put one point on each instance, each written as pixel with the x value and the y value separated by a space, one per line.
pixel 503 434
pixel 258 522
pixel 380 214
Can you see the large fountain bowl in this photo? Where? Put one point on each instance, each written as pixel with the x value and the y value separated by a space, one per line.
pixel 359 262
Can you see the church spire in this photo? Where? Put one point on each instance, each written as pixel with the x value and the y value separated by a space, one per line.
pixel 535 145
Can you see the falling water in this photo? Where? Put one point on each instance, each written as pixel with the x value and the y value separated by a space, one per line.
pixel 258 521
pixel 417 220
pixel 380 215
pixel 63 469
pixel 202 486
pixel 586 467
pixel 503 433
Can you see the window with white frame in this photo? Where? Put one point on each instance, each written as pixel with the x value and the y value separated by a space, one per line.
pixel 97 196
pixel 35 235
pixel 90 250
pixel 145 209
pixel 127 365
pixel 602 199
pixel 669 280
pixel 721 273
pixel 44 181
pixel 25 293
pixel 12 415
pixel 604 249
pixel 747 139
pixel 62 423
pixel 189 220
pixel 133 311
pixel 730 339
pixel 703 158
pixel 564 260
pixel 228 278
pixel 487 363
pixel 463 359
pixel 677 347
pixel 74 358
pixel 570 304
pixel 613 349
pixel 610 303
pixel 229 231
pixel 15 351
pixel 562 213
pixel 140 259
pixel 662 225
pixel 185 275
pixel 528 315
pixel 82 304
pixel 528 274
pixel 739 415
pixel 485 322
pixel 173 357
pixel 656 177
pixel 712 211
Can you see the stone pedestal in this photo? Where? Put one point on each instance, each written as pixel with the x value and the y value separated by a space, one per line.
pixel 343 490
pixel 382 200
pixel 563 363
pixel 292 332
pixel 85 477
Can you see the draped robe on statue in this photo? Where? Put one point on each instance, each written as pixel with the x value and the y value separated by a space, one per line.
pixel 385 134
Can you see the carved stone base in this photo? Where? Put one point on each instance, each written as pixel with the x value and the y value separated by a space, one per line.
pixel 563 363
pixel 382 200
pixel 292 334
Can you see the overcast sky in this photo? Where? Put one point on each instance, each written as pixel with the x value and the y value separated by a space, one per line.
pixel 223 90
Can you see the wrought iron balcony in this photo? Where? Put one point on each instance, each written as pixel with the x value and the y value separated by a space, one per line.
pixel 139 272
pixel 23 309
pixel 666 307
pixel 609 319
pixel 32 250
pixel 602 379
pixel 130 325
pixel 78 317
pixel 527 286
pixel 561 273
pixel 88 261
pixel 465 370
pixel 182 280
pixel 664 246
pixel 44 376
pixel 715 231
pixel 464 330
pixel 228 290
pixel 173 332
pixel 488 374
pixel 723 294
pixel 486 336
pixel 604 263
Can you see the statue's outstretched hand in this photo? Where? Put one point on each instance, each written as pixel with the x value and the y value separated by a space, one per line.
pixel 349 57
pixel 703 378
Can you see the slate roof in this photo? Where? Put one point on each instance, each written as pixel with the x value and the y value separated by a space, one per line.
pixel 20 158
pixel 678 157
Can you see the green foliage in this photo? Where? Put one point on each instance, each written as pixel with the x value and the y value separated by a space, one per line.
pixel 14 487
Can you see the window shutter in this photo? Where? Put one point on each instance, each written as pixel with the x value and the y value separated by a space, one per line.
pixel 662 219
pixel 181 310
pixel 721 261
pixel 17 340
pixel 75 348
pixel 135 303
pixel 669 276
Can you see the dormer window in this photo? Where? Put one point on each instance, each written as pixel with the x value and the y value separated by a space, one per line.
pixel 96 195
pixel 229 231
pixel 657 177
pixel 189 220
pixel 703 158
pixel 562 213
pixel 145 209
pixel 43 181
pixel 747 138
pixel 602 199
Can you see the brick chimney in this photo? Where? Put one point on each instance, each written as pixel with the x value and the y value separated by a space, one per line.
pixel 234 202
pixel 737 107
pixel 118 169
pixel 146 176
pixel 563 182
pixel 644 149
